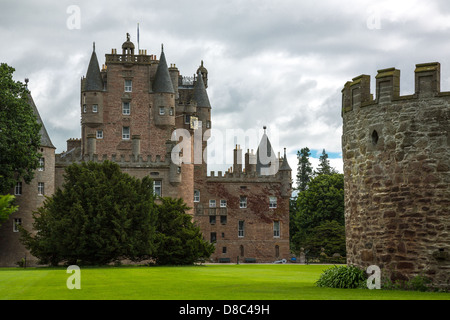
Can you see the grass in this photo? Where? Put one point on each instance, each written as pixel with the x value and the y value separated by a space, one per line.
pixel 206 282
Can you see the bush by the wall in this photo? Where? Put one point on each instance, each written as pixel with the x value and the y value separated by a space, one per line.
pixel 343 277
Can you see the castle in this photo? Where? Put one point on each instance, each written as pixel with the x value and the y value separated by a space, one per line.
pixel 396 153
pixel 134 111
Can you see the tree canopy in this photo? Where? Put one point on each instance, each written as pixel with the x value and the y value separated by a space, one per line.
pixel 317 213
pixel 103 215
pixel 19 132
pixel 6 207
pixel 324 165
pixel 178 240
pixel 304 169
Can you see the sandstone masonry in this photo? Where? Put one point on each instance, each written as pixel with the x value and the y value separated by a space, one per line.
pixel 130 108
pixel 396 152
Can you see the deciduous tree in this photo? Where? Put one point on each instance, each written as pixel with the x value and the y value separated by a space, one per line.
pixel 19 132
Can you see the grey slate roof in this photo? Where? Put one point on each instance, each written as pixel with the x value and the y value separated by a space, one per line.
pixel 45 139
pixel 162 82
pixel 285 165
pixel 265 147
pixel 94 81
pixel 200 94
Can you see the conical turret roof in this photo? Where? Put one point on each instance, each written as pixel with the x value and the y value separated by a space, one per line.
pixel 200 94
pixel 285 165
pixel 162 82
pixel 266 160
pixel 45 138
pixel 94 81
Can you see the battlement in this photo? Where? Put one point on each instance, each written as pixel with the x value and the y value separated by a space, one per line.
pixel 130 160
pixel 356 93
pixel 230 176
pixel 141 58
pixel 238 173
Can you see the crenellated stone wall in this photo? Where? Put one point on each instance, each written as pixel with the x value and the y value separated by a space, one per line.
pixel 396 152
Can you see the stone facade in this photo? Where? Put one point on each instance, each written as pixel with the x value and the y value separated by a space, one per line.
pixel 396 152
pixel 245 214
pixel 130 109
pixel 28 198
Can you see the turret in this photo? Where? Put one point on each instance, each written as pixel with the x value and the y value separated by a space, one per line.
pixel 93 80
pixel 204 73
pixel 200 97
pixel 163 95
pixel 285 173
pixel 92 89
pixel 266 160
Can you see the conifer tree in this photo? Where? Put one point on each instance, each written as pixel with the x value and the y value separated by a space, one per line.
pixel 304 169
pixel 324 165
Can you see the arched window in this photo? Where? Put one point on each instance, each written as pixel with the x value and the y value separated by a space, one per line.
pixel 374 137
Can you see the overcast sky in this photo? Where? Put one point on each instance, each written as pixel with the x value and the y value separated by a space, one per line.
pixel 277 63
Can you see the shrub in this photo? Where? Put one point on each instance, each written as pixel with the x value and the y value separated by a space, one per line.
pixel 417 283
pixel 343 277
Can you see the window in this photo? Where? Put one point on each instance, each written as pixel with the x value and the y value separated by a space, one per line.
pixel 212 219
pixel 272 202
pixel 196 196
pixel 126 133
pixel 277 251
pixel 223 203
pixel 212 203
pixel 128 86
pixel 157 188
pixel 84 108
pixel 241 249
pixel 41 164
pixel 243 202
pixel 18 189
pixel 223 219
pixel 161 111
pixel 126 108
pixel 241 229
pixel 171 112
pixel 276 229
pixel 16 223
pixel 224 249
pixel 213 237
pixel 208 124
pixel 374 137
pixel 99 134
pixel 41 188
pixel 94 108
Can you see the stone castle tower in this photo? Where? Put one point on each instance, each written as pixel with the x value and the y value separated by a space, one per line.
pixel 396 152
pixel 28 198
pixel 132 109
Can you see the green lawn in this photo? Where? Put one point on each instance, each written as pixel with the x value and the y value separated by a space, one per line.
pixel 206 282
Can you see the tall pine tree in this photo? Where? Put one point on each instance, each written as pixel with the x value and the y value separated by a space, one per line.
pixel 304 169
pixel 324 165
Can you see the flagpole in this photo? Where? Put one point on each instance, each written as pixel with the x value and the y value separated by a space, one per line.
pixel 138 36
